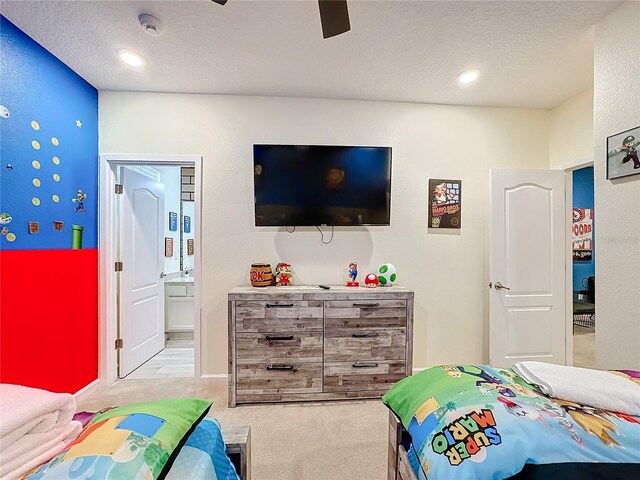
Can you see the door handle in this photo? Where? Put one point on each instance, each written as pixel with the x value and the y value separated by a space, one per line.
pixel 279 337
pixel 366 305
pixel 162 275
pixel 364 365
pixel 280 367
pixel 499 286
pixel 365 335
pixel 279 305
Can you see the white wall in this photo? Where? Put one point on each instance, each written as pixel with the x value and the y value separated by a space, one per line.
pixel 571 132
pixel 447 269
pixel 170 177
pixel 617 108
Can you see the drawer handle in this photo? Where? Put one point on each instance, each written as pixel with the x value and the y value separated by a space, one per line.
pixel 279 305
pixel 364 365
pixel 365 335
pixel 280 367
pixel 279 337
pixel 366 305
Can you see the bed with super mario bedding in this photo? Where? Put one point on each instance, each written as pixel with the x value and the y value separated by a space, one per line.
pixel 481 422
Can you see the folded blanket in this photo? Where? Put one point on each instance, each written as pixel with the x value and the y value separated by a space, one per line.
pixel 36 448
pixel 33 423
pixel 594 388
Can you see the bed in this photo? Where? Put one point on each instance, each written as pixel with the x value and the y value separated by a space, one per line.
pixel 166 439
pixel 466 421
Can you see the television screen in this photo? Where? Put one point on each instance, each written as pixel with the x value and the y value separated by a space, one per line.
pixel 315 185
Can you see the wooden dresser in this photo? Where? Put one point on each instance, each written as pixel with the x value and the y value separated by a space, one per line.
pixel 310 344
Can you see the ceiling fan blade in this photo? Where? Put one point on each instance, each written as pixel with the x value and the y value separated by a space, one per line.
pixel 220 2
pixel 334 17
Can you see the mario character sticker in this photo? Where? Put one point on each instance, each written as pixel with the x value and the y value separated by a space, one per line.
pixel 445 203
pixel 582 234
pixel 5 220
pixel 623 150
pixel 79 201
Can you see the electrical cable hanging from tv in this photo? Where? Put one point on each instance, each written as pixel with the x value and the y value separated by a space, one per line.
pixel 322 236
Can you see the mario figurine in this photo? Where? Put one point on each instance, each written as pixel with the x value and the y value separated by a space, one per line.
pixel 352 275
pixel 283 274
pixel 629 146
pixel 80 198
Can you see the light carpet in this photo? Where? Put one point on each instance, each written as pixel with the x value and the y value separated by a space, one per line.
pixel 313 441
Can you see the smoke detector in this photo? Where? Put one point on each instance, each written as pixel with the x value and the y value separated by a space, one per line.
pixel 150 24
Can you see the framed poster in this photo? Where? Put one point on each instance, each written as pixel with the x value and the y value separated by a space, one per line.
pixel 622 154
pixel 582 234
pixel 168 247
pixel 173 221
pixel 187 224
pixel 190 249
pixel 445 203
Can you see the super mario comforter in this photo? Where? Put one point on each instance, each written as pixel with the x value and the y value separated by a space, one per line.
pixel 481 422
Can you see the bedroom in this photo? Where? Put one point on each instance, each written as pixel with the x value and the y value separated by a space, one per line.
pixel 429 141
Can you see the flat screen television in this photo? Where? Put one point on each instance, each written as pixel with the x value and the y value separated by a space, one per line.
pixel 316 185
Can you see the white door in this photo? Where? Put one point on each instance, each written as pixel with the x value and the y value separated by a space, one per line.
pixel 141 285
pixel 527 267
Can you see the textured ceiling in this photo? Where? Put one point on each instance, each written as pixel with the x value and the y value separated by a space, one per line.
pixel 530 54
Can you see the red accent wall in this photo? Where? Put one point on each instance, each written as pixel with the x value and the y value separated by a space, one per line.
pixel 49 318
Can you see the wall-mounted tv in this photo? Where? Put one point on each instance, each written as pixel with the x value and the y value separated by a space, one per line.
pixel 315 185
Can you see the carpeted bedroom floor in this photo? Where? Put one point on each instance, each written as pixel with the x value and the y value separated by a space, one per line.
pixel 320 441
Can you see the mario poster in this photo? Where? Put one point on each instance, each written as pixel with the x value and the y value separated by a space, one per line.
pixel 623 154
pixel 445 203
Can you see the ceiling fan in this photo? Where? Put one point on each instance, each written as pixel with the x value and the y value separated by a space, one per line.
pixel 334 16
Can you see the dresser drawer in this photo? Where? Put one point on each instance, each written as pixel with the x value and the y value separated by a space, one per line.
pixel 279 378
pixel 365 313
pixel 278 347
pixel 343 345
pixel 362 376
pixel 278 316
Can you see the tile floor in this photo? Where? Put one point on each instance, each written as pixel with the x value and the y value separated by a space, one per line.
pixel 175 361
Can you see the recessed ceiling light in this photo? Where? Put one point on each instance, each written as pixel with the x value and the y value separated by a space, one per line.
pixel 130 57
pixel 468 76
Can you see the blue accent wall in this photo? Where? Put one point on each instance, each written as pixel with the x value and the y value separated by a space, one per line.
pixel 38 181
pixel 583 198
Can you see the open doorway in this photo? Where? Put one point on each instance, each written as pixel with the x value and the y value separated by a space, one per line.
pixel 584 275
pixel 156 222
pixel 150 306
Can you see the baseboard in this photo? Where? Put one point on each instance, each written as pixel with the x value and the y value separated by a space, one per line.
pixel 416 370
pixel 84 392
pixel 214 375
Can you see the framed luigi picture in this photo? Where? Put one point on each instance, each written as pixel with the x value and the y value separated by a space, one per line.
pixel 623 150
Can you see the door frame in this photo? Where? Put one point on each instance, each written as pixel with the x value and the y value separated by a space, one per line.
pixel 107 254
pixel 568 170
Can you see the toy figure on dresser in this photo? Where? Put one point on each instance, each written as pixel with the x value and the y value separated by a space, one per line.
pixel 371 280
pixel 353 274
pixel 284 274
pixel 387 275
pixel 261 275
